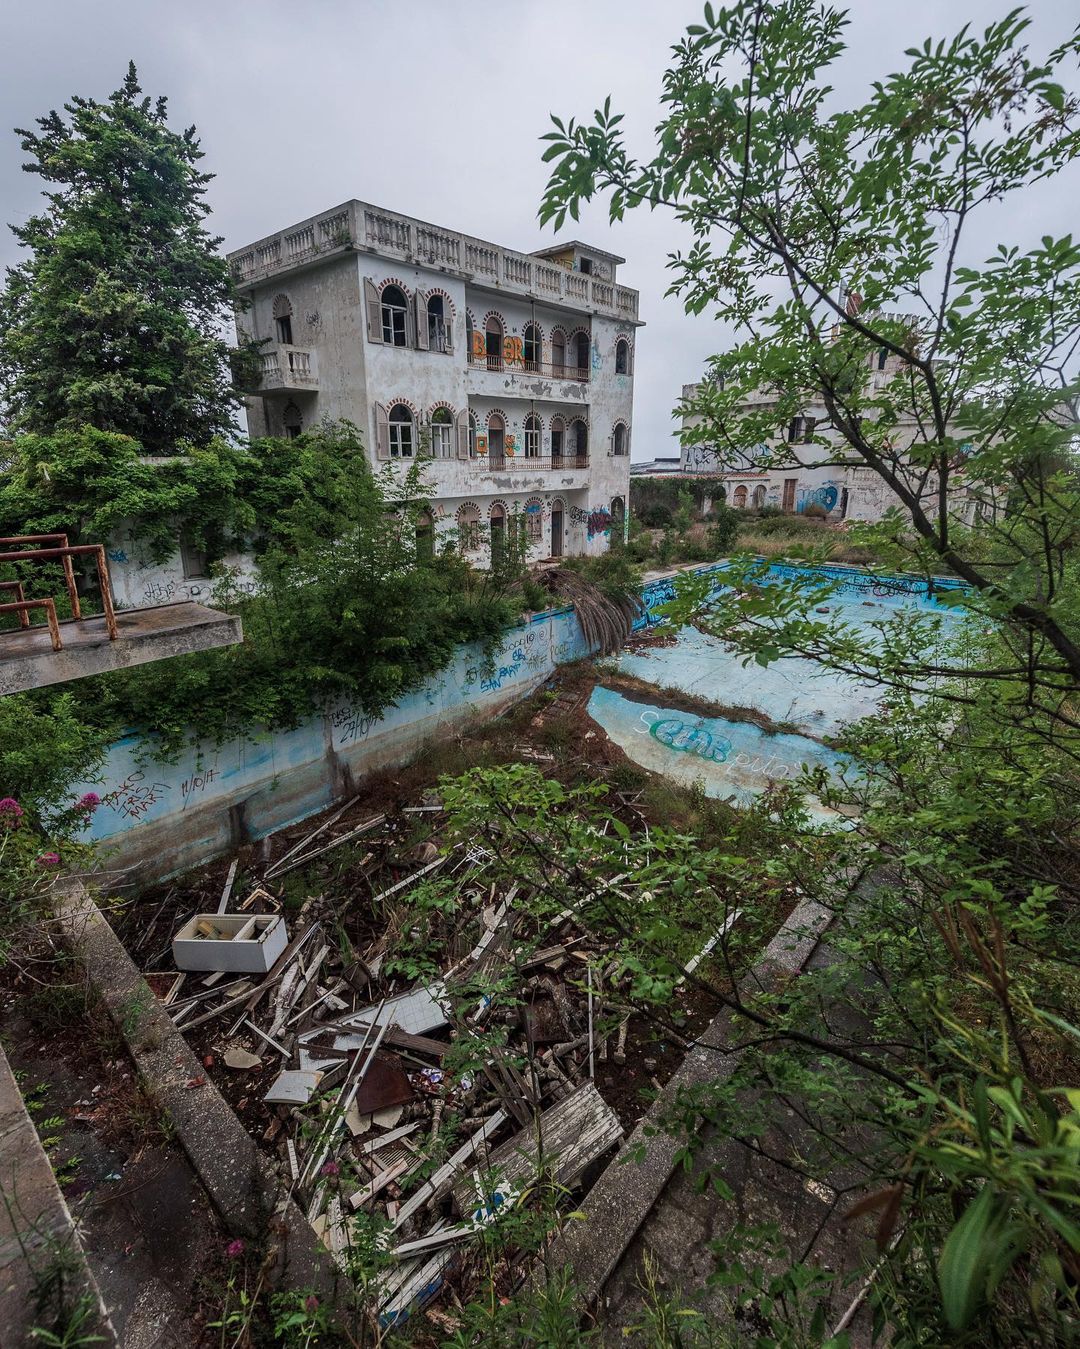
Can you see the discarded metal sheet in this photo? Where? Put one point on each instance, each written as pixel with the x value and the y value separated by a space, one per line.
pixel 385 1084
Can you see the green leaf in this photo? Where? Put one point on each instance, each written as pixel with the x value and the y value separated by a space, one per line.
pixel 961 1267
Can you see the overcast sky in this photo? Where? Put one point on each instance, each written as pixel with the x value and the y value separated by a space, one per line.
pixel 432 109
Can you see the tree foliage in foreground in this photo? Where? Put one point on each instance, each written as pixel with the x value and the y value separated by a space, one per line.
pixel 795 204
pixel 113 320
pixel 933 1061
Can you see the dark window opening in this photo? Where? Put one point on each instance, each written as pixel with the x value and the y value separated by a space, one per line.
pixel 622 357
pixel 284 330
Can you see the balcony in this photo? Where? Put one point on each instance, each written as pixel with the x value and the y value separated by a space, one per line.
pixel 288 370
pixel 528 463
pixel 357 226
pixel 496 377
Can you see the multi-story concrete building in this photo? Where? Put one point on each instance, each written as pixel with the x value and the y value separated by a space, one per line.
pixel 804 464
pixel 512 372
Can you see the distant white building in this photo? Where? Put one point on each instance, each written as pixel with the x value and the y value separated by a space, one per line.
pixel 513 371
pixel 843 491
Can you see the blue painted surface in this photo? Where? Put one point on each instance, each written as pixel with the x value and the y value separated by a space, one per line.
pixel 791 690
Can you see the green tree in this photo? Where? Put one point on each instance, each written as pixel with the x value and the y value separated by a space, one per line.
pixel 113 321
pixel 929 1058
pixel 828 235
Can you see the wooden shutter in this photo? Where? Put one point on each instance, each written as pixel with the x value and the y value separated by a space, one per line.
pixel 374 310
pixel 448 324
pixel 420 319
pixel 463 434
pixel 382 432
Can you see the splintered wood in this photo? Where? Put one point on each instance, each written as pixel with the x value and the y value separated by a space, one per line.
pixel 432 1104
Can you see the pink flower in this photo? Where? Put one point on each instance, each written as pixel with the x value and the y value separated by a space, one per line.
pixel 331 1169
pixel 49 859
pixel 235 1249
pixel 89 800
pixel 10 808
pixel 311 1303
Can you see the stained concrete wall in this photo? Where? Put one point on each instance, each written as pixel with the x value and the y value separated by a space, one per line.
pixel 164 818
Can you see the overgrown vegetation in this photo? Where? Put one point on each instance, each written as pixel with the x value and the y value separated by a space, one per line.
pixel 932 1062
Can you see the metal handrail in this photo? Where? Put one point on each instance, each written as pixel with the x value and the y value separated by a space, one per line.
pixel 59 548
pixel 579 374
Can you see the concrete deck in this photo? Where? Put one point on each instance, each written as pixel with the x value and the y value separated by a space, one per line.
pixel 27 660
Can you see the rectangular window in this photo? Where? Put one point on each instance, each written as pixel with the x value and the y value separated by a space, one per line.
pixel 193 560
pixel 284 331
pixel 393 326
pixel 440 440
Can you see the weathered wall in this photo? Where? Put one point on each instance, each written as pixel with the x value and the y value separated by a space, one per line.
pixel 164 818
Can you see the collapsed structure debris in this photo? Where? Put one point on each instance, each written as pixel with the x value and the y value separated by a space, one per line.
pixel 421 1110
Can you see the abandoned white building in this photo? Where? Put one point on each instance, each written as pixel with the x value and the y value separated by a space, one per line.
pixel 752 479
pixel 512 372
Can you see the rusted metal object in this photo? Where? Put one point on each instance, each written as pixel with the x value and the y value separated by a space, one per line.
pixel 44 548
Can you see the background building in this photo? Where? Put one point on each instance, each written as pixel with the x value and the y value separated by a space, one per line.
pixel 513 371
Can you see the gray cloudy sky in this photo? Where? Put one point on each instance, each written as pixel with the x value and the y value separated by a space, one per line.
pixel 432 109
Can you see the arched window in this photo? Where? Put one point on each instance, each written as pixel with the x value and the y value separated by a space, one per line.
pixel 558 437
pixel 468 526
pixel 532 437
pixel 759 496
pixel 395 309
pixel 496 429
pixel 425 537
pixel 438 332
pixel 472 435
pixel 530 352
pixel 739 499
pixel 498 534
pixel 558 352
pixel 882 357
pixel 534 519
pixel 581 352
pixel 442 430
pixel 401 432
pixel 619 439
pixel 283 320
pixel 617 534
pixel 292 420
pixel 557 527
pixel 579 442
pixel 622 356
pixel 493 338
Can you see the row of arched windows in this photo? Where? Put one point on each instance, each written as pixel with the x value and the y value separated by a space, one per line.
pixel 739 497
pixel 459 436
pixel 427 322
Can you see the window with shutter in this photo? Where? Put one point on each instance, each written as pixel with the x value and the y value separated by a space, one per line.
pixel 420 319
pixel 382 432
pixel 395 317
pixel 464 424
pixel 374 310
pixel 442 430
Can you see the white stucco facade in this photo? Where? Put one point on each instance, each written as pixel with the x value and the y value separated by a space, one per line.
pixel 511 373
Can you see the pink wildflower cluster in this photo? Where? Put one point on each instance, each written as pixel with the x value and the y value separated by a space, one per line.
pixel 49 859
pixel 10 812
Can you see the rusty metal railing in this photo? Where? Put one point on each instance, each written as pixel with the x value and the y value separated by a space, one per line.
pixel 44 548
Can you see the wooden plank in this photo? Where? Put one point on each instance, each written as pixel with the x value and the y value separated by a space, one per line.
pixel 380 1182
pixel 573 1132
pixel 442 1180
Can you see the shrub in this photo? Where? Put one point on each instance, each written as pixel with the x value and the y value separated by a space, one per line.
pixel 815 511
pixel 725 527
pixel 656 516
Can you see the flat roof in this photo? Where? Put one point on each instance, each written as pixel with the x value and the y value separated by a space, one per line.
pixel 575 243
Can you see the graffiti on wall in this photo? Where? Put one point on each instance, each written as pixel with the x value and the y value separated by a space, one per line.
pixel 197 783
pixel 134 796
pixel 597 519
pixel 687 737
pixel 352 723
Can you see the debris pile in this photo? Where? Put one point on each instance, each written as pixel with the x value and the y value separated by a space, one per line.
pixel 414 1112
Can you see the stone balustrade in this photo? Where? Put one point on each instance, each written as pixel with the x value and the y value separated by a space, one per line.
pixel 357 225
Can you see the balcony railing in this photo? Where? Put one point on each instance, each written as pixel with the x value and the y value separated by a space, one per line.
pixel 357 225
pixel 287 368
pixel 528 463
pixel 546 369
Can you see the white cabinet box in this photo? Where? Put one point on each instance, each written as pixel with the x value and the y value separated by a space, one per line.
pixel 230 941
